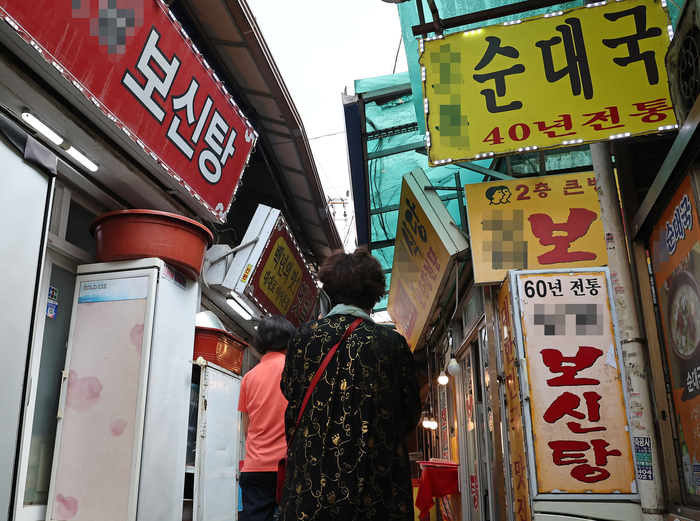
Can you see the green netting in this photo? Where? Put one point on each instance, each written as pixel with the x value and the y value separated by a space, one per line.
pixel 395 134
pixel 390 157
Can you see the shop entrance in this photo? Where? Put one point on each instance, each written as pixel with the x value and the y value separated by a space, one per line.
pixel 474 414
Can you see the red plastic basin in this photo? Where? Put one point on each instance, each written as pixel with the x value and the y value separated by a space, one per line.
pixel 220 347
pixel 139 234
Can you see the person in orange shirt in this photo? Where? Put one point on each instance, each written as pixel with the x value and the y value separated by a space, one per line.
pixel 262 407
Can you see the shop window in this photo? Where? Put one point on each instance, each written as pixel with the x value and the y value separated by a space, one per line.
pixel 472 312
pixel 69 228
pixel 78 230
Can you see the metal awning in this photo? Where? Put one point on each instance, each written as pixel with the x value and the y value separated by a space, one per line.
pixel 231 35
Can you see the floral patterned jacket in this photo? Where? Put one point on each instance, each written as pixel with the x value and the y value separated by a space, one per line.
pixel 349 458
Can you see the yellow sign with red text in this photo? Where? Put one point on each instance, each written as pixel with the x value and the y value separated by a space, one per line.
pixel 536 222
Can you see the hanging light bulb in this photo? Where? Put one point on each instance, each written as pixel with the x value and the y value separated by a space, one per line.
pixel 453 367
pixel 433 424
pixel 426 422
pixel 443 378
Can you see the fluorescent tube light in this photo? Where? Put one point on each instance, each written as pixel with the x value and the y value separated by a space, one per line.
pixel 238 309
pixel 42 129
pixel 80 158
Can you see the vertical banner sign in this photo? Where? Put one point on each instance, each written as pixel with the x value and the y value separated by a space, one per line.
pixel 675 252
pixel 473 454
pixel 426 246
pixel 536 222
pixel 581 438
pixel 516 435
pixel 134 62
pixel 444 428
pixel 587 74
pixel 281 282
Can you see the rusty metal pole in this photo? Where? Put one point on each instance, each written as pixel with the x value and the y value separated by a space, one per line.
pixel 639 399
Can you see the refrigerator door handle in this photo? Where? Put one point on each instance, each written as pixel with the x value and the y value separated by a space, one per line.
pixel 64 377
pixel 29 391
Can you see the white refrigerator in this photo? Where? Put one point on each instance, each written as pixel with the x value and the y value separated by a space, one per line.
pixel 123 417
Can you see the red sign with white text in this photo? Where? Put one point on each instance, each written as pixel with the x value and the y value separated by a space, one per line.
pixel 282 282
pixel 134 62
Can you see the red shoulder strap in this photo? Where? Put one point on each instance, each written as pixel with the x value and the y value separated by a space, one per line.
pixel 320 371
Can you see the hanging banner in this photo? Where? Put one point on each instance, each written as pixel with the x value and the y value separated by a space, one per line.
pixel 577 407
pixel 134 62
pixel 675 253
pixel 535 222
pixel 426 247
pixel 516 434
pixel 587 74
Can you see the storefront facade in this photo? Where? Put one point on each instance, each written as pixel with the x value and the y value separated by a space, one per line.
pixel 51 194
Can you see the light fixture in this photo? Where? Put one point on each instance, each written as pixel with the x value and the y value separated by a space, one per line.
pixel 242 303
pixel 57 140
pixel 80 158
pixel 238 309
pixel 453 367
pixel 443 378
pixel 426 422
pixel 433 424
pixel 41 128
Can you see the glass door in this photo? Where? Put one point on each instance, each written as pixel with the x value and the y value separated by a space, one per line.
pixel 471 439
pixel 41 406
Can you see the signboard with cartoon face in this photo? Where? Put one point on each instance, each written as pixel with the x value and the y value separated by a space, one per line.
pixel 536 222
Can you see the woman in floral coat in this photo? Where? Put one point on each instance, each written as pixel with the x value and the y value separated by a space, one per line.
pixel 348 459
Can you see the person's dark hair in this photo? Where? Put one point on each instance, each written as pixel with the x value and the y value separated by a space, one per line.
pixel 353 278
pixel 272 334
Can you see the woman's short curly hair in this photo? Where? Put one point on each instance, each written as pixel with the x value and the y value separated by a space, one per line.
pixel 353 278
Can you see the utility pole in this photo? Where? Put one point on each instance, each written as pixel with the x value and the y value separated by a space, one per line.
pixel 650 491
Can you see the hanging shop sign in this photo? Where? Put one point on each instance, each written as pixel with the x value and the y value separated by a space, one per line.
pixel 425 251
pixel 268 272
pixel 280 282
pixel 571 372
pixel 587 74
pixel 516 434
pixel 134 62
pixel 675 254
pixel 536 222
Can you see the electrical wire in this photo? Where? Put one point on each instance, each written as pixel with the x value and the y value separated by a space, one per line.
pixel 396 60
pixel 300 140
